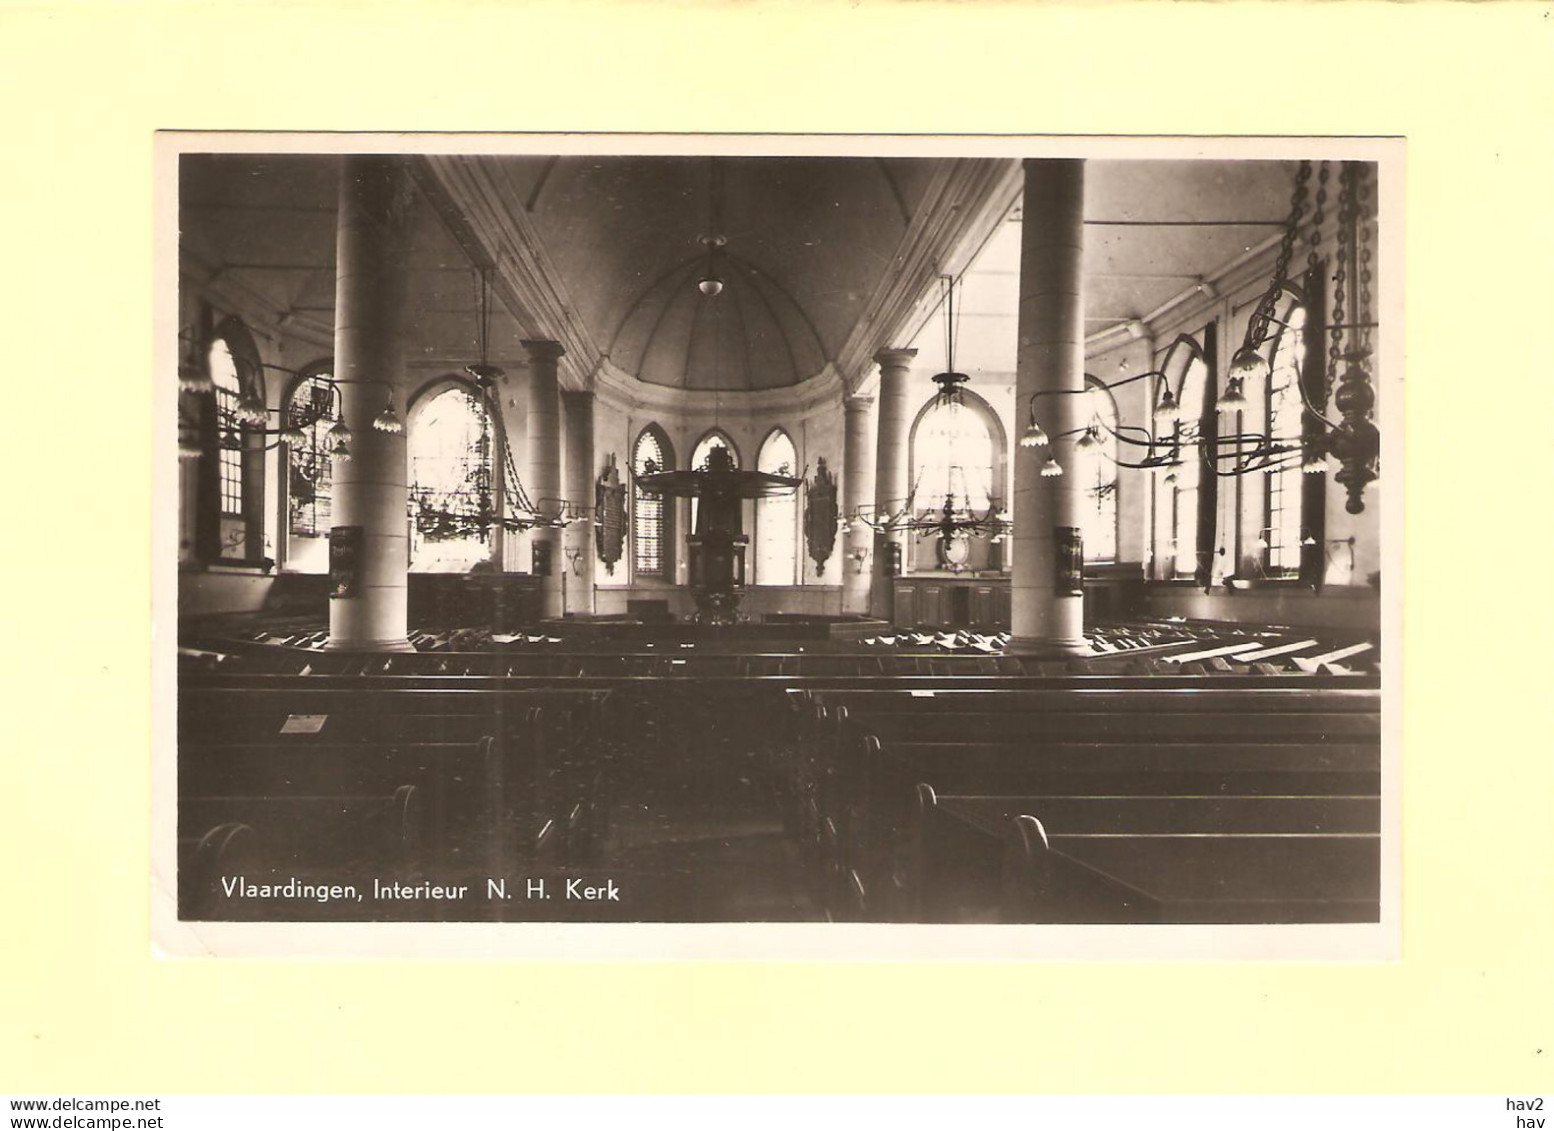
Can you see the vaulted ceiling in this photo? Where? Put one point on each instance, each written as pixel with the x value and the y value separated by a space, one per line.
pixel 825 259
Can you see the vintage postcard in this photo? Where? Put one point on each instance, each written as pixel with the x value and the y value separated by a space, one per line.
pixel 669 546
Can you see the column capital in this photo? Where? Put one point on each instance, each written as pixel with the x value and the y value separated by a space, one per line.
pixel 582 398
pixel 894 358
pixel 857 404
pixel 543 350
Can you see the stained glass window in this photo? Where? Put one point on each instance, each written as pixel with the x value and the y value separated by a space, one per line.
pixel 311 410
pixel 952 455
pixel 649 524
pixel 452 484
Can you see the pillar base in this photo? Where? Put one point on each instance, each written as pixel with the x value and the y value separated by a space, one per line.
pixel 398 644
pixel 1045 648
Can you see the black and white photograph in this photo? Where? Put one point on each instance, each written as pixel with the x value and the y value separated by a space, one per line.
pixel 838 532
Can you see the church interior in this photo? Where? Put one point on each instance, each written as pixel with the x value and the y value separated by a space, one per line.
pixel 737 538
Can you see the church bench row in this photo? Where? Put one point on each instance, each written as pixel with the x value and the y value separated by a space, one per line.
pixel 1009 696
pixel 864 816
pixel 481 664
pixel 1194 879
pixel 969 681
pixel 338 835
pixel 1209 859
pixel 486 806
pixel 830 751
pixel 856 774
pixel 1054 723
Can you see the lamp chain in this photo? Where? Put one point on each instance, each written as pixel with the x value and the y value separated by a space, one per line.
pixel 1341 273
pixel 1365 191
pixel 1257 331
pixel 1313 261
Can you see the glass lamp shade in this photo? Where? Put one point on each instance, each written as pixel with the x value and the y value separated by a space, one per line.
pixel 340 434
pixel 193 378
pixel 388 421
pixel 293 435
pixel 711 286
pixel 1248 365
pixel 1089 440
pixel 1168 411
pixel 250 411
pixel 1232 399
pixel 1051 469
pixel 341 450
pixel 1034 437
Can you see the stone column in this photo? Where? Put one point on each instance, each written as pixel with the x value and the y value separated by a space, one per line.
pixel 891 475
pixel 544 479
pixel 372 272
pixel 579 486
pixel 857 493
pixel 1050 360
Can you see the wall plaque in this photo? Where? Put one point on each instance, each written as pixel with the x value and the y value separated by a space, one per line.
pixel 820 515
pixel 610 515
pixel 345 561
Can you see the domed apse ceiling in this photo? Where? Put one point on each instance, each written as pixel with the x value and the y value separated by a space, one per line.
pixel 807 244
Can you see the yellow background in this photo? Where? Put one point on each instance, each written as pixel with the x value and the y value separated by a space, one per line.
pixel 84 1007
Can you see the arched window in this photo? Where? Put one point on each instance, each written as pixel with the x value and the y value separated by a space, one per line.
pixel 454 492
pixel 713 439
pixel 235 490
pixel 777 517
pixel 311 409
pixel 957 451
pixel 229 391
pixel 1098 476
pixel 704 446
pixel 652 516
pixel 1178 487
pixel 1283 515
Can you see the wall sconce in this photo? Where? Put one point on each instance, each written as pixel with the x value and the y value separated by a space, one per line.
pixel 574 556
pixel 860 557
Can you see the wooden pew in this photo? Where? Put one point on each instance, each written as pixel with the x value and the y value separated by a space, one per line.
pixel 1009 696
pixel 962 841
pixel 874 811
pixel 1192 878
pixel 342 835
pixel 204 857
pixel 549 745
pixel 311 794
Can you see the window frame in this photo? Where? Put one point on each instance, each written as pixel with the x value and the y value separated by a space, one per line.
pixel 666 534
pixel 1200 347
pixel 320 369
pixel 416 407
pixel 763 509
pixel 1106 457
pixel 212 518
